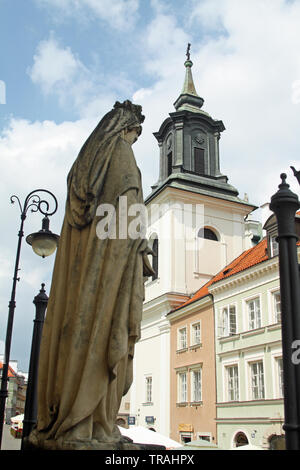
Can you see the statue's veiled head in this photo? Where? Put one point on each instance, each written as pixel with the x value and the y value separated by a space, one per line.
pixel 124 119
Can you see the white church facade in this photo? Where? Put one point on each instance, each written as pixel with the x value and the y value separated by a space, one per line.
pixel 196 226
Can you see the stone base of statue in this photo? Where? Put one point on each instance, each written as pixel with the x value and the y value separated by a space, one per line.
pixel 125 444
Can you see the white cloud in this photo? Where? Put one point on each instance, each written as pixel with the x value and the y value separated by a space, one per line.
pixel 247 68
pixel 54 66
pixel 118 14
pixel 84 91
pixel 58 71
pixel 35 154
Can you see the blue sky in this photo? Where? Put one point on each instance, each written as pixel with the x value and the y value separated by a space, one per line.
pixel 101 48
pixel 65 62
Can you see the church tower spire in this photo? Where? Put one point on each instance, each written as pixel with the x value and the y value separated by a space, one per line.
pixel 189 99
pixel 188 143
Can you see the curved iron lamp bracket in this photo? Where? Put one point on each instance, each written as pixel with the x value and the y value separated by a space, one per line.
pixel 36 203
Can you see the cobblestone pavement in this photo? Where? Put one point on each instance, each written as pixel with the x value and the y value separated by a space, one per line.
pixel 8 441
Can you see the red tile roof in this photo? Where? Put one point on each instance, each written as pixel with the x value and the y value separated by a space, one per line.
pixel 11 372
pixel 247 259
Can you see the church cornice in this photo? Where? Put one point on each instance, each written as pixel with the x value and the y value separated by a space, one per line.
pixel 202 116
pixel 188 117
pixel 207 187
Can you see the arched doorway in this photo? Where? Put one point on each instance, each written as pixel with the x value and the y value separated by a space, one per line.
pixel 240 439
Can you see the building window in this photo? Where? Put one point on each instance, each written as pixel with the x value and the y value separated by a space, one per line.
pixel 277 307
pixel 274 246
pixel 196 334
pixel 232 373
pixel 208 234
pixel 205 437
pixel 182 390
pixel 196 382
pixel 182 338
pixel 279 376
pixel 254 315
pixel 148 388
pixel 229 321
pixel 199 167
pixel 257 380
pixel 186 437
pixel 155 258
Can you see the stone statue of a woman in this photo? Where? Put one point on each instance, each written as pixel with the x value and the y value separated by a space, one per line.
pixel 95 303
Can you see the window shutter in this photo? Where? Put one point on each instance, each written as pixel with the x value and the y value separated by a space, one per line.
pixel 170 162
pixel 199 161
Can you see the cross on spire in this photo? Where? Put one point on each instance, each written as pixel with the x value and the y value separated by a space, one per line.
pixel 188 55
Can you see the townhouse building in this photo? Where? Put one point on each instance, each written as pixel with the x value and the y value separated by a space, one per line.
pixel 16 391
pixel 249 372
pixel 193 380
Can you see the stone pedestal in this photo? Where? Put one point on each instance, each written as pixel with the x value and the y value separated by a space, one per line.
pixel 59 444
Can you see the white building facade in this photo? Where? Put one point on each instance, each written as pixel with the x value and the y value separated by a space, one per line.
pixel 196 225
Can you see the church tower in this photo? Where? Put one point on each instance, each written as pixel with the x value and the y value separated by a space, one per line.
pixel 195 215
pixel 189 146
pixel 196 226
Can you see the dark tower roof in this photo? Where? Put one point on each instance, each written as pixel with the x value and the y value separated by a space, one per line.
pixel 189 147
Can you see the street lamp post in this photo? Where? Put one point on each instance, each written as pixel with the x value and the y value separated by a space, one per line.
pixel 30 413
pixel 284 204
pixel 43 243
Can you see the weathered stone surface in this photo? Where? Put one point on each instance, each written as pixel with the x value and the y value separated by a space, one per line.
pixel 96 298
pixel 61 444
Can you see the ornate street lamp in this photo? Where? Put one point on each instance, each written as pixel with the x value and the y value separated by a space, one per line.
pixel 285 203
pixel 44 244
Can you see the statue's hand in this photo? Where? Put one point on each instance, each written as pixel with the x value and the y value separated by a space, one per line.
pixel 147 268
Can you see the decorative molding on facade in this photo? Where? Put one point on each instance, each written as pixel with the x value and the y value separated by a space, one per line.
pixel 249 347
pixel 191 308
pixel 244 276
pixel 233 404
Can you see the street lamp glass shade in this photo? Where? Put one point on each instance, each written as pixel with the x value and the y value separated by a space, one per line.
pixel 44 244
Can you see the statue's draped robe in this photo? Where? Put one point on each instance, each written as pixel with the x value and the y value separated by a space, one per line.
pixel 95 306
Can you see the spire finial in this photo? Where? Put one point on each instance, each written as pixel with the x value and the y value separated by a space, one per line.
pixel 188 55
pixel 189 99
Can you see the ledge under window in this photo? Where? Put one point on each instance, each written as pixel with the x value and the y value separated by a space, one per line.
pixel 274 326
pixel 179 351
pixel 196 403
pixel 182 403
pixel 148 403
pixel 196 346
pixel 232 337
pixel 255 331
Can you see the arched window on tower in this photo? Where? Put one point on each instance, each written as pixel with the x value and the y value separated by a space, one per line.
pixel 208 234
pixel 155 258
pixel 210 251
